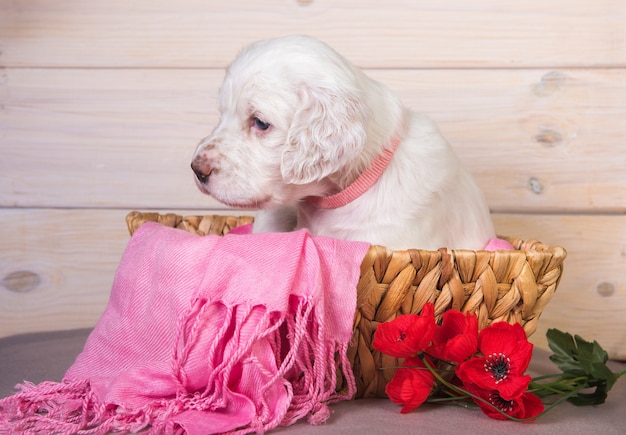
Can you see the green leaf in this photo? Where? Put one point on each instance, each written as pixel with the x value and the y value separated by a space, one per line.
pixel 601 371
pixel 579 358
pixel 597 397
pixel 593 361
pixel 560 342
pixel 591 352
pixel 565 352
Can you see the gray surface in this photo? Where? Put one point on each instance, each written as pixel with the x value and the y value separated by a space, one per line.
pixel 46 356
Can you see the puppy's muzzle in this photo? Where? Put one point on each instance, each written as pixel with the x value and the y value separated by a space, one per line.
pixel 202 169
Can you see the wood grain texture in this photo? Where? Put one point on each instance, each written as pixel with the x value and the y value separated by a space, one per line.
pixel 536 140
pixel 75 254
pixel 103 103
pixel 57 266
pixel 396 33
pixel 591 298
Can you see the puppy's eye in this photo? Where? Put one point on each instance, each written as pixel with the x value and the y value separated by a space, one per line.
pixel 260 124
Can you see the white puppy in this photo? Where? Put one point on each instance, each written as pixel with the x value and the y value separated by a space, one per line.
pixel 302 127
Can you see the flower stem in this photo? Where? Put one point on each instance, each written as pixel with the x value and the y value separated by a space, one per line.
pixel 561 386
pixel 467 394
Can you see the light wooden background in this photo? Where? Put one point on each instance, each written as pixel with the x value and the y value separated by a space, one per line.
pixel 103 102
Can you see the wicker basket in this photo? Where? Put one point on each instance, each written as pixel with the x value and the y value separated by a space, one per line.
pixel 513 286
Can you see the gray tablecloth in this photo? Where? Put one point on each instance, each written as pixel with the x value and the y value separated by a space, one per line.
pixel 46 356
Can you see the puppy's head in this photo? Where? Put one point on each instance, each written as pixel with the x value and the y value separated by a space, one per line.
pixel 292 124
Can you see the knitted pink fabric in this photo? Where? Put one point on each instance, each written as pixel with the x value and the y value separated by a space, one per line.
pixel 206 335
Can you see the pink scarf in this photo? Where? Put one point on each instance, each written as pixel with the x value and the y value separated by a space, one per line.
pixel 211 334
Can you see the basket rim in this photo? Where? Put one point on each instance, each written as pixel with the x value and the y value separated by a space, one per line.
pixel 135 219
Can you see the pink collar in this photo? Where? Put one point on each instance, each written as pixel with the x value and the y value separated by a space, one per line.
pixel 363 182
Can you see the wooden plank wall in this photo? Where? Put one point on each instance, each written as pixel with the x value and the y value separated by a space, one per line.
pixel 102 104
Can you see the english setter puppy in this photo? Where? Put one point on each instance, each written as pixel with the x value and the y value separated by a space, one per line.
pixel 313 142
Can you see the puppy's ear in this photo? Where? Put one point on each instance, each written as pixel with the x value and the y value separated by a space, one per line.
pixel 327 132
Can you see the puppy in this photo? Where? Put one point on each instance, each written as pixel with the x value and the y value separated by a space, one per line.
pixel 313 142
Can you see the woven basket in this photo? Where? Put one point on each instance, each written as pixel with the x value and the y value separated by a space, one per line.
pixel 513 286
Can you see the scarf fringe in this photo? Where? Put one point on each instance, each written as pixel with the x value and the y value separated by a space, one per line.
pixel 306 366
pixel 52 407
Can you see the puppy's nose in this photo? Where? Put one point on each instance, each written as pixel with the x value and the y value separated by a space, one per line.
pixel 201 169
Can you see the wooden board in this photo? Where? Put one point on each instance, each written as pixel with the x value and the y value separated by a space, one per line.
pixel 591 298
pixel 396 33
pixel 58 265
pixel 536 140
pixel 103 103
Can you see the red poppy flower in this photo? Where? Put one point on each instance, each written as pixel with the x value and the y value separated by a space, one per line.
pixel 526 405
pixel 406 335
pixel 411 385
pixel 506 354
pixel 457 337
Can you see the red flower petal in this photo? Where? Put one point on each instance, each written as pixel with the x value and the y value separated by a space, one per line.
pixel 457 337
pixel 474 371
pixel 411 385
pixel 509 340
pixel 506 354
pixel 406 335
pixel 526 405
